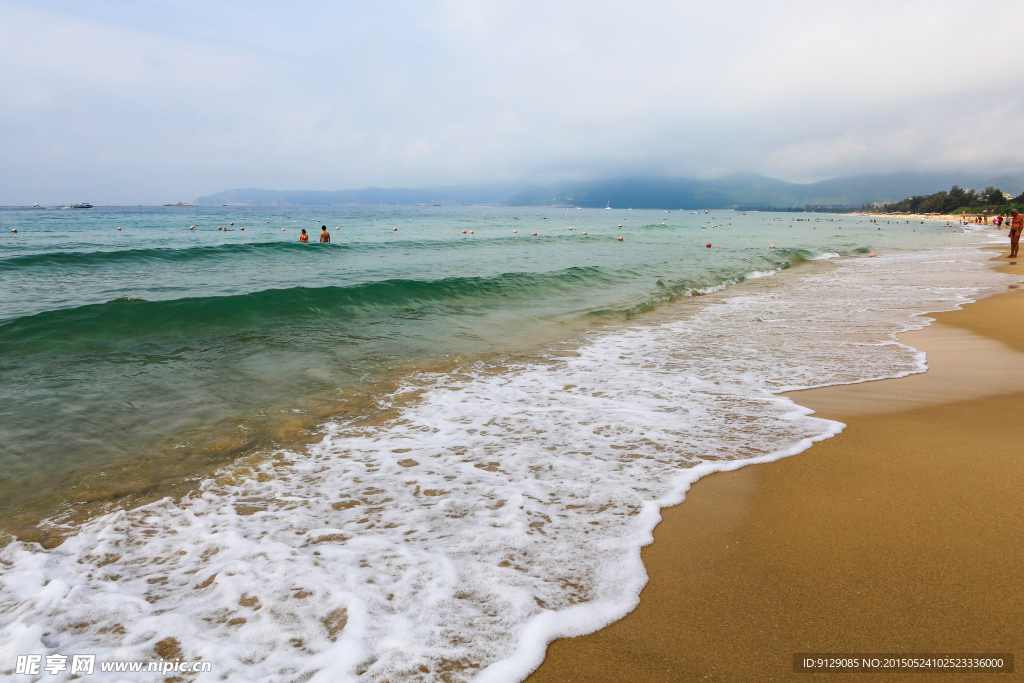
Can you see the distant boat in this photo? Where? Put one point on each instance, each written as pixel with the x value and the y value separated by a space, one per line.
pixel 609 204
pixel 37 206
pixel 85 205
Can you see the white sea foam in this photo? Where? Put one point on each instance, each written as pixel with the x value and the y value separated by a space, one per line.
pixel 501 508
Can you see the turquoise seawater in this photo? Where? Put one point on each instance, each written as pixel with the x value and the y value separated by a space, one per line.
pixel 157 349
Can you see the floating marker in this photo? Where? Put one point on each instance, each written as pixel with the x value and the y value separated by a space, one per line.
pixel 232 224
pixel 620 225
pixel 119 227
pixel 282 229
pixel 620 238
pixel 872 254
pixel 771 246
pixel 515 231
pixel 584 232
pixel 708 245
pixel 534 234
pixel 470 232
pixel 395 229
pixel 463 232
pixel 241 228
pixel 570 227
pixel 14 230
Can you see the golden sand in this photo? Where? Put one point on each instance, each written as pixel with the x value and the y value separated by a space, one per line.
pixel 904 534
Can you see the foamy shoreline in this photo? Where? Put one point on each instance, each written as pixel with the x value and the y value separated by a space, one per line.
pixel 893 537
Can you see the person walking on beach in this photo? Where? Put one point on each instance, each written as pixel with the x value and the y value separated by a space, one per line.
pixel 303 237
pixel 1016 225
pixel 324 235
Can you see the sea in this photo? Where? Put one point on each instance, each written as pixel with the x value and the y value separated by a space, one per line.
pixel 421 451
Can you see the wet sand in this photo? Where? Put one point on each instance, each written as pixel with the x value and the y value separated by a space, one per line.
pixel 904 534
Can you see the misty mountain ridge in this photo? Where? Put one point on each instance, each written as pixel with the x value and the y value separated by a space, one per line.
pixel 741 191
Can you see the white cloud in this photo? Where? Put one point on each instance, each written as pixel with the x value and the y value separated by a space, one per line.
pixel 128 102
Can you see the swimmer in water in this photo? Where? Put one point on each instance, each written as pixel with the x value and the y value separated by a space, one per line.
pixel 324 235
pixel 303 237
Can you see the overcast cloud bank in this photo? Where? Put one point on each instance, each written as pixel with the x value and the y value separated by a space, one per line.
pixel 119 102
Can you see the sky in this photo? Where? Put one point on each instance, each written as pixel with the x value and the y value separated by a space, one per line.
pixel 147 102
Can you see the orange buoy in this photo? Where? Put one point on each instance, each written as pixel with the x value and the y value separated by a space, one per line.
pixel 232 224
pixel 709 245
pixel 282 229
pixel 241 228
pixel 470 232
pixel 872 254
pixel 515 231
pixel 570 227
pixel 620 238
pixel 394 229
pixel 584 232
pixel 463 232
pixel 119 227
pixel 771 246
pixel 620 225
pixel 534 234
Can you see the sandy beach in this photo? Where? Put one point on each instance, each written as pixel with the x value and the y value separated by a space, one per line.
pixel 904 534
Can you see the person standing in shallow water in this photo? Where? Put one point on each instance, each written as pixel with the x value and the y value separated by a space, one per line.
pixel 324 235
pixel 1016 225
pixel 303 237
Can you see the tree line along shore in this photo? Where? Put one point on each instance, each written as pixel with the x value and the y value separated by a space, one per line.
pixel 957 201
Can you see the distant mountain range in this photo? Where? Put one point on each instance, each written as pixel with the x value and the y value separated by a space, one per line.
pixel 742 191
